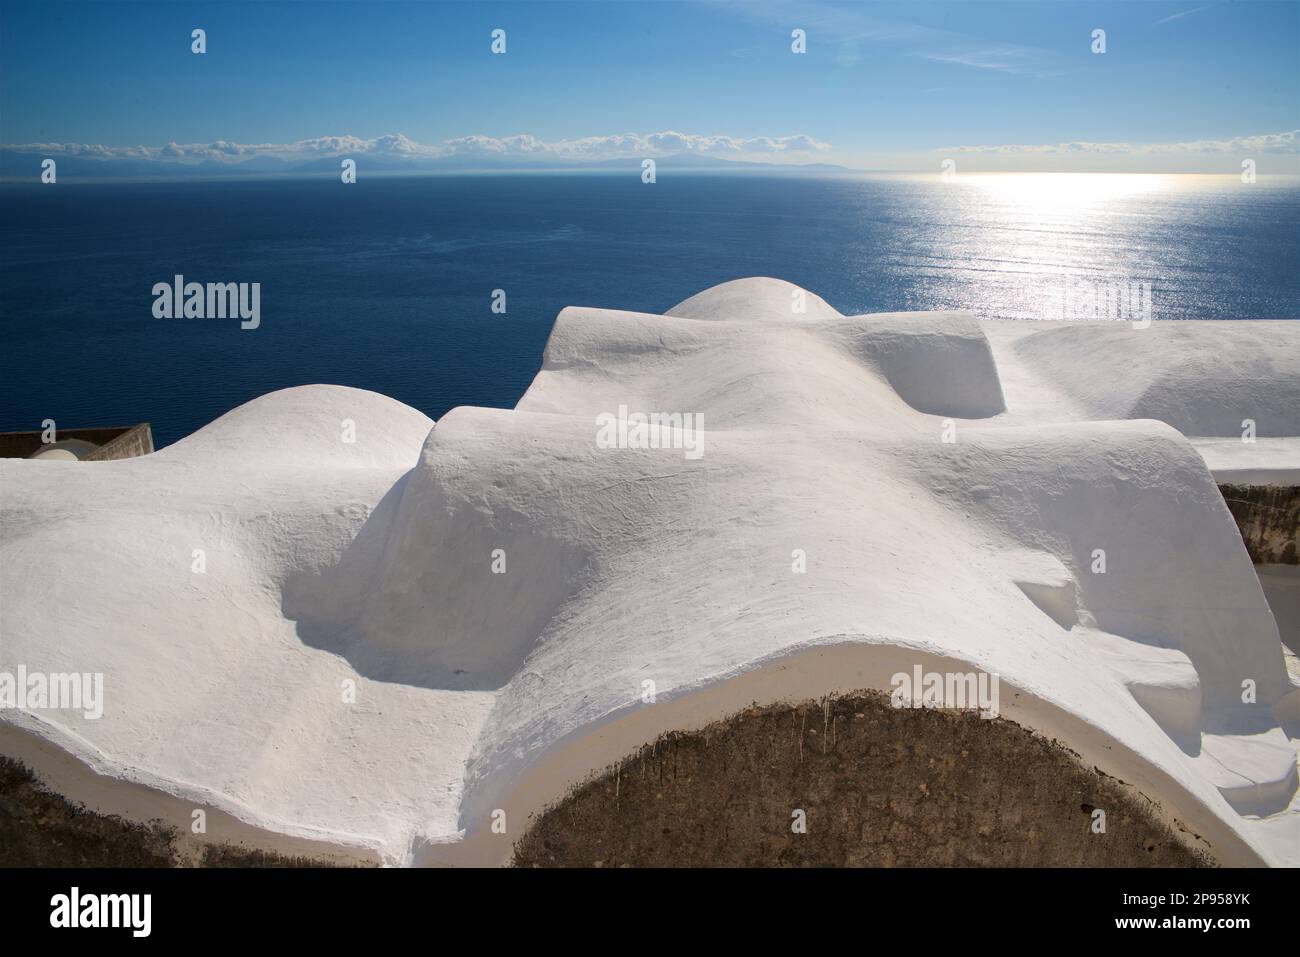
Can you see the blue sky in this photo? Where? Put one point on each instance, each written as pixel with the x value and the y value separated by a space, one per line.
pixel 1181 85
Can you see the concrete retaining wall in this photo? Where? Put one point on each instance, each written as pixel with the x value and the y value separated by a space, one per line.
pixel 1269 519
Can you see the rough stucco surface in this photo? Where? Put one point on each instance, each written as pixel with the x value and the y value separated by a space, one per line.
pixel 879 787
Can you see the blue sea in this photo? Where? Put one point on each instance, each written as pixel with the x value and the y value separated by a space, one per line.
pixel 387 284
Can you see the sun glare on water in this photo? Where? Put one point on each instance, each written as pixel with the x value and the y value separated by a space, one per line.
pixel 1068 190
pixel 1047 245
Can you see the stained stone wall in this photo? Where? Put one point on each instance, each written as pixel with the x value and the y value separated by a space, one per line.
pixel 877 786
pixel 1269 519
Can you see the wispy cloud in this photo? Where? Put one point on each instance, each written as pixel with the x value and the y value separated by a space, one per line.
pixel 1286 142
pixel 523 146
pixel 1185 13
pixel 844 29
pixel 1006 59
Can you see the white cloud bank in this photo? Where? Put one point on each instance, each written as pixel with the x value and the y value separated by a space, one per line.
pixel 1287 142
pixel 523 146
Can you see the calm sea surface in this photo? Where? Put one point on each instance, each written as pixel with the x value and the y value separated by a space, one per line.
pixel 387 284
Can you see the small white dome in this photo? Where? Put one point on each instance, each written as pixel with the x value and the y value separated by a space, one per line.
pixel 71 450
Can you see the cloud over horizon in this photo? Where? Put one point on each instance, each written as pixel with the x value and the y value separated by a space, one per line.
pixel 523 146
pixel 1285 142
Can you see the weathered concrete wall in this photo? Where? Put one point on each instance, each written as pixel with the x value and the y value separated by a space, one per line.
pixel 137 440
pixel 1269 519
pixel 878 786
